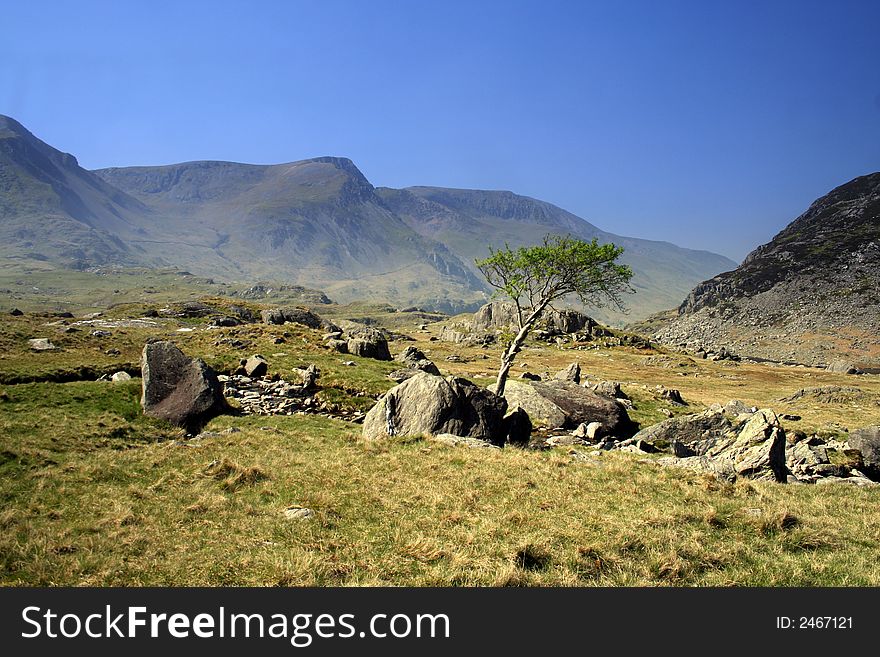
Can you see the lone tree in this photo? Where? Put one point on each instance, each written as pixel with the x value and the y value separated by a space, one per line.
pixel 533 277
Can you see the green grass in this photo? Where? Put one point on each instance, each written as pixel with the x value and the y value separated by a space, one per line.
pixel 95 493
pixel 162 512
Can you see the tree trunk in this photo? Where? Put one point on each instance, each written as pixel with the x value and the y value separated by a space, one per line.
pixel 515 345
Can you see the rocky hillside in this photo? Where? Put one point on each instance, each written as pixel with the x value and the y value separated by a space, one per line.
pixel 810 295
pixel 317 223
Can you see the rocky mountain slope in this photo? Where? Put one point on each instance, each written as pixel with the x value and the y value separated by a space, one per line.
pixel 810 295
pixel 317 223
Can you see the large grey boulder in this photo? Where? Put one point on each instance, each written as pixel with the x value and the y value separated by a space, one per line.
pixel 867 441
pixel 429 405
pixel 842 367
pixel 563 404
pixel 758 452
pixel 179 389
pixel 567 321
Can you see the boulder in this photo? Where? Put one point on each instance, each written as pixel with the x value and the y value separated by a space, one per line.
pixel 842 367
pixel 256 366
pixel 300 316
pixel 502 316
pixel 517 427
pixel 867 442
pixel 758 452
pixel 415 359
pixel 340 346
pixel 40 344
pixel 195 309
pixel 567 321
pixel 371 345
pixel 120 377
pixel 497 315
pixel 563 404
pixel 179 389
pixel 15 312
pixel 698 432
pixel 429 405
pixel 571 373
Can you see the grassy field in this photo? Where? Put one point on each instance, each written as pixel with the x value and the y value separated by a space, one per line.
pixel 94 493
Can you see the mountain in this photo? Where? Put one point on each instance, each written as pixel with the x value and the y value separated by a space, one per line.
pixel 51 209
pixel 470 221
pixel 810 295
pixel 317 223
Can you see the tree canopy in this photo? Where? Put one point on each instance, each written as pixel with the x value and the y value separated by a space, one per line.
pixel 533 277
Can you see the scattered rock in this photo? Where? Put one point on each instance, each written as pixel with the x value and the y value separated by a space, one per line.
pixel 256 366
pixel 373 345
pixel 298 513
pixel 415 359
pixel 528 376
pixel 41 344
pixel 179 389
pixel 571 373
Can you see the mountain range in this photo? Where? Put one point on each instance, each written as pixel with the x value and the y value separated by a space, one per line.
pixel 316 222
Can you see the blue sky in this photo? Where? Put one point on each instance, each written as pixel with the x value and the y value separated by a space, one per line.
pixel 710 124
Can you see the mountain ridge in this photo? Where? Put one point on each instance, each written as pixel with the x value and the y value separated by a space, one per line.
pixel 810 294
pixel 317 222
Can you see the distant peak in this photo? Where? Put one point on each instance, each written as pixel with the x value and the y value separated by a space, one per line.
pixel 8 123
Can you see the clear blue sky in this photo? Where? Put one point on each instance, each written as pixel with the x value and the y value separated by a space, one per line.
pixel 710 124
